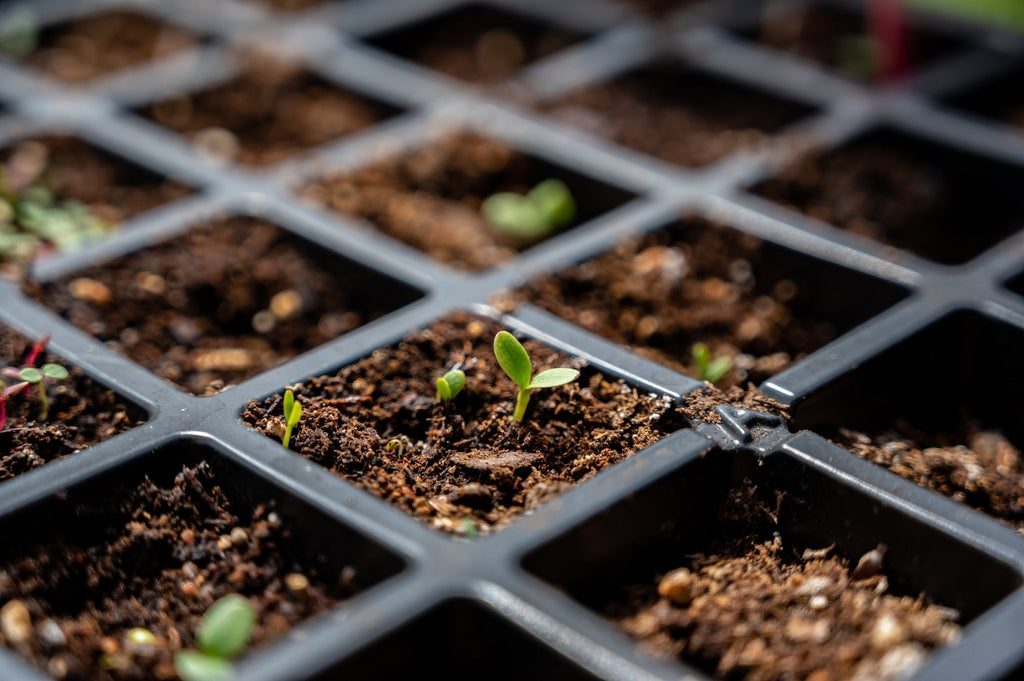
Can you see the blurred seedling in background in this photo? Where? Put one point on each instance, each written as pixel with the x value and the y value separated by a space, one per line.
pixel 513 358
pixel 451 384
pixel 19 32
pixel 26 376
pixel 223 634
pixel 31 217
pixel 547 208
pixel 292 414
pixel 708 369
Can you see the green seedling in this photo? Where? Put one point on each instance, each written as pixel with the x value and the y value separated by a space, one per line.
pixel 547 208
pixel 19 32
pixel 223 634
pixel 28 375
pixel 292 414
pixel 515 361
pixel 450 385
pixel 710 370
pixel 394 444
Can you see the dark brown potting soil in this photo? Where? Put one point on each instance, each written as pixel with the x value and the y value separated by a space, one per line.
pixel 154 556
pixel 82 413
pixel 477 44
pixel 759 611
pixel 105 42
pixel 977 467
pixel 430 197
pixel 465 466
pixel 838 38
pixel 113 188
pixel 659 7
pixel 699 406
pixel 678 115
pixel 292 5
pixel 221 303
pixel 272 110
pixel 694 282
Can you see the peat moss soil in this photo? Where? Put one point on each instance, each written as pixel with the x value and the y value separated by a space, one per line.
pixel 974 466
pixel 191 312
pixel 696 281
pixel 102 43
pixel 476 44
pixel 272 110
pixel 82 413
pixel 681 116
pixel 465 463
pixel 759 609
pixel 154 556
pixel 430 197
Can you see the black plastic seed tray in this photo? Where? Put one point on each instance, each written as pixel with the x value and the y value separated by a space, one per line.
pixel 922 336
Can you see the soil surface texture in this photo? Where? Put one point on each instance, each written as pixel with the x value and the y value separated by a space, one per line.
pixel 430 197
pixel 113 188
pixel 757 611
pixel 221 303
pixel 977 467
pixel 105 42
pixel 272 110
pixel 694 282
pixel 465 467
pixel 82 413
pixel 699 406
pixel 477 44
pixel 681 116
pixel 155 556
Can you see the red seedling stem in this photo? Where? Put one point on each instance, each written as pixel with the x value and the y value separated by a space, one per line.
pixel 887 24
pixel 38 348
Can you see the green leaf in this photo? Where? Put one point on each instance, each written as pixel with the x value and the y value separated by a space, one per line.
pixel 19 32
pixel 456 381
pixel 717 369
pixel 55 371
pixel 552 378
pixel 192 665
pixel 701 356
pixel 289 401
pixel 444 391
pixel 226 627
pixel 296 413
pixel 30 374
pixel 516 215
pixel 513 359
pixel 555 203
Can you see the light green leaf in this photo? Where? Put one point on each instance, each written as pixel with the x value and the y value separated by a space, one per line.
pixel 701 355
pixel 516 215
pixel 444 391
pixel 717 369
pixel 456 381
pixel 289 400
pixel 226 627
pixel 513 358
pixel 296 414
pixel 555 203
pixel 192 665
pixel 553 378
pixel 55 371
pixel 30 374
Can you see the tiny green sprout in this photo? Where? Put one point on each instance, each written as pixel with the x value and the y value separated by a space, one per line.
pixel 710 370
pixel 546 208
pixel 450 385
pixel 469 528
pixel 512 357
pixel 292 414
pixel 141 637
pixel 223 634
pixel 394 444
pixel 38 377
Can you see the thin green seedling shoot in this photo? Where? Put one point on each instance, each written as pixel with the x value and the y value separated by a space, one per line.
pixel 28 375
pixel 451 384
pixel 222 635
pixel 710 370
pixel 292 414
pixel 513 358
pixel 547 208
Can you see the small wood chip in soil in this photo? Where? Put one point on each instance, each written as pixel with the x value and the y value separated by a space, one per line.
pixel 466 458
pixel 82 413
pixel 152 556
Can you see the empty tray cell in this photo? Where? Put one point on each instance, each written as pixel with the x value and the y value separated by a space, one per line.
pixel 63 193
pixel 679 115
pixel 757 303
pixel 273 109
pixel 840 39
pixel 933 410
pixel 1001 99
pixel 463 638
pixel 430 197
pixel 153 544
pixel 936 201
pixel 223 302
pixel 100 44
pixel 78 411
pixel 751 568
pixel 476 43
pixel 465 466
